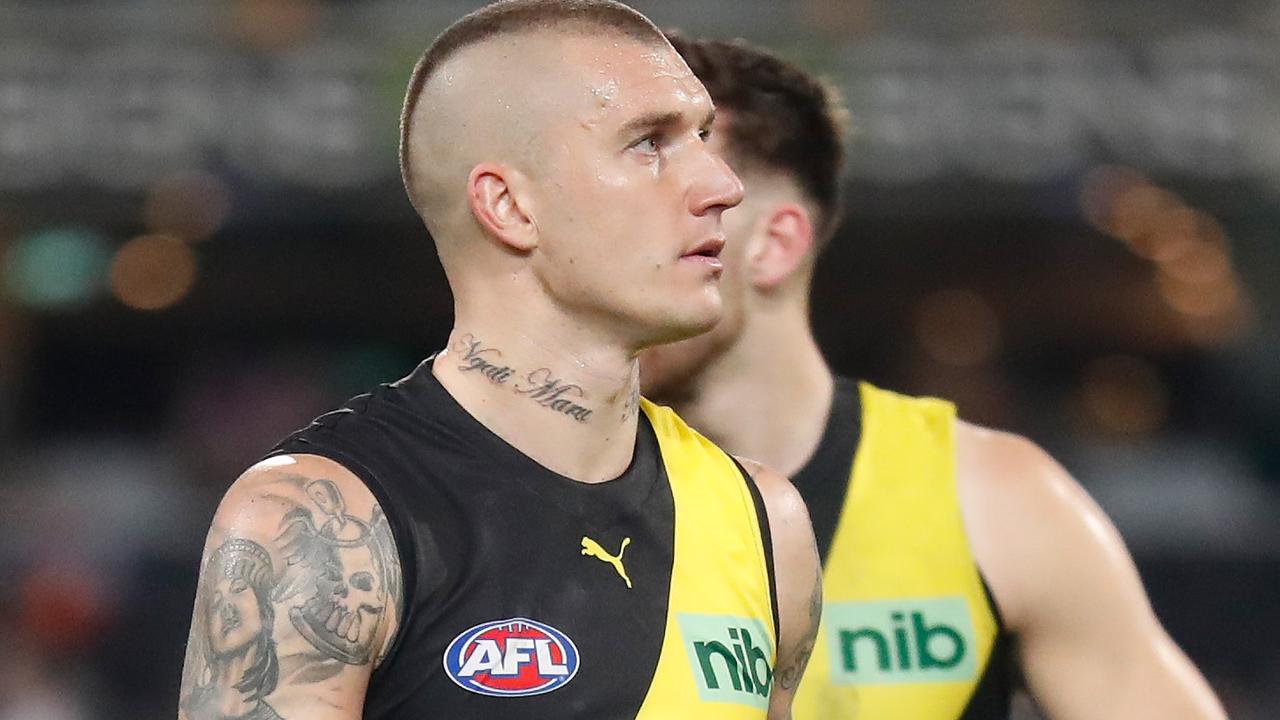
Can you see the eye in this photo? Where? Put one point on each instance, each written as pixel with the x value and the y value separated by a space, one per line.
pixel 648 145
pixel 238 586
pixel 362 581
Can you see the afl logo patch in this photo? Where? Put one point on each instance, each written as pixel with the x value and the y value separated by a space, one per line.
pixel 511 658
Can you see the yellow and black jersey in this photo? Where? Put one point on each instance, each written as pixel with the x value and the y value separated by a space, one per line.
pixel 529 595
pixel 909 629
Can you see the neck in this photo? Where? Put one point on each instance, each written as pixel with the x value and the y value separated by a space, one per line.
pixel 768 396
pixel 567 400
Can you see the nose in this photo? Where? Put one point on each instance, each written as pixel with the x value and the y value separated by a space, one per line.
pixel 716 187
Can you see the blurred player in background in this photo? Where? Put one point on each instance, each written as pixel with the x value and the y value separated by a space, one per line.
pixel 511 531
pixel 953 554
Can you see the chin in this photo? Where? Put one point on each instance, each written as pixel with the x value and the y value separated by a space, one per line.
pixel 672 322
pixel 703 316
pixel 690 327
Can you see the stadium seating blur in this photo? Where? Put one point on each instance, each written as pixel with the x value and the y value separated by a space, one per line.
pixel 1061 214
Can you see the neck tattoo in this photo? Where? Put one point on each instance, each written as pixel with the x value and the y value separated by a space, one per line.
pixel 540 385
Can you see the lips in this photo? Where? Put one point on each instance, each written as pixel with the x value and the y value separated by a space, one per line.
pixel 709 248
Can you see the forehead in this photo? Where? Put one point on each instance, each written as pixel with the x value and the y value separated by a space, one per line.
pixel 622 77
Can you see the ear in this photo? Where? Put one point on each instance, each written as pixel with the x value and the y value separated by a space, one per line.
pixel 494 193
pixel 785 238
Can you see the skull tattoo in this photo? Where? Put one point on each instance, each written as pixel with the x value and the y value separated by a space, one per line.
pixel 341 568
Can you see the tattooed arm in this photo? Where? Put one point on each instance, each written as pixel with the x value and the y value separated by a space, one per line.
pixel 799 583
pixel 298 597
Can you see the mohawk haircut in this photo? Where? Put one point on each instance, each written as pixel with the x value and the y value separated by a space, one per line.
pixel 781 118
pixel 512 17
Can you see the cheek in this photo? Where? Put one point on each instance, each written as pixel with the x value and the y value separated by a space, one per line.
pixel 613 220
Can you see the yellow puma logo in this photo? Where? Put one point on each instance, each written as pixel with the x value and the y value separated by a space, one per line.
pixel 593 548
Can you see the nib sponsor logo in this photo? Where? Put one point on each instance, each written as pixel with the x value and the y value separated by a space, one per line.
pixel 511 658
pixel 900 641
pixel 731 658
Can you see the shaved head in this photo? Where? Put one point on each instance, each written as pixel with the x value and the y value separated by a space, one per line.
pixel 557 152
pixel 488 86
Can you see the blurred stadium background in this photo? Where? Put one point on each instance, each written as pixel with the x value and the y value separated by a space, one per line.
pixel 1062 214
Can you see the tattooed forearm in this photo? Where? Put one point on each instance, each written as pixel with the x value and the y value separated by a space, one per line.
pixel 790 673
pixel 312 599
pixel 540 385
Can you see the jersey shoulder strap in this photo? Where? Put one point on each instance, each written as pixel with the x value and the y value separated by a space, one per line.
pixel 719 646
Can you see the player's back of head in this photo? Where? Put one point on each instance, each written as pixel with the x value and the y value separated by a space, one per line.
pixel 781 119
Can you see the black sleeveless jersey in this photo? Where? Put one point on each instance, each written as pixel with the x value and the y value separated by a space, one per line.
pixel 529 595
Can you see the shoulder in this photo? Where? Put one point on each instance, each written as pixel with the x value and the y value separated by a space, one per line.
pixel 1003 468
pixel 300 583
pixel 283 482
pixel 312 515
pixel 993 464
pixel 783 503
pixel 794 549
pixel 1027 516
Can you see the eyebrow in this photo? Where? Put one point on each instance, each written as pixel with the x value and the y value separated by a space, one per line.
pixel 662 120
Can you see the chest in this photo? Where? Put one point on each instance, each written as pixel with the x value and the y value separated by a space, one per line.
pixel 527 608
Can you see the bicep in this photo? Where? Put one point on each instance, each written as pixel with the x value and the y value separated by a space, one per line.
pixel 297 598
pixel 1089 644
pixel 1097 649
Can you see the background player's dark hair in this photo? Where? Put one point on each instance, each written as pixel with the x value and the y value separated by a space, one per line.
pixel 782 119
pixel 511 17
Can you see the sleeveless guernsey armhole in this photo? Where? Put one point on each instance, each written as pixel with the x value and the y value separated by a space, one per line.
pixel 762 516
pixel 992 696
pixel 824 479
pixel 908 630
pixel 406 548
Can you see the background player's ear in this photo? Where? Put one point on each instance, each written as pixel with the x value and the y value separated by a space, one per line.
pixel 499 206
pixel 783 244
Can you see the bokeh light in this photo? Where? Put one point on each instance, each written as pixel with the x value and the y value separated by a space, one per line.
pixel 1125 395
pixel 62 607
pixel 1099 190
pixel 1188 247
pixel 274 25
pixel 191 206
pixel 1204 260
pixel 1168 235
pixel 1199 299
pixel 957 327
pixel 58 268
pixel 152 272
pixel 1137 211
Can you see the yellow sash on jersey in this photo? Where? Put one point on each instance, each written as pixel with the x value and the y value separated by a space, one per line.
pixel 906 628
pixel 718 650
